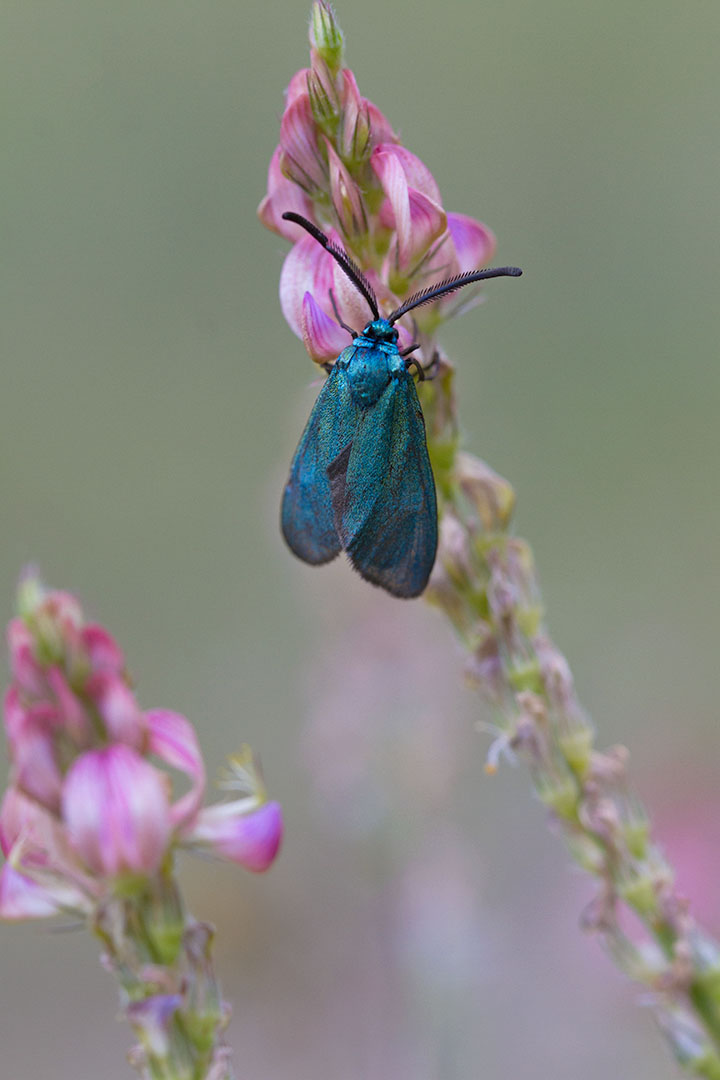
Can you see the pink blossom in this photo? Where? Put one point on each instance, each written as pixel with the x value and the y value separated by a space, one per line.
pixel 322 337
pixel 30 735
pixel 26 670
pixel 236 831
pixel 38 879
pixel 116 704
pixel 173 740
pixel 346 196
pixel 282 195
pixel 116 808
pixel 102 650
pixel 301 158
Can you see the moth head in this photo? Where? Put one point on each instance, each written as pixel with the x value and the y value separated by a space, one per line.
pixel 381 330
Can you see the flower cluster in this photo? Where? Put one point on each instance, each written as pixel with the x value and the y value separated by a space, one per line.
pixel 90 811
pixel 340 164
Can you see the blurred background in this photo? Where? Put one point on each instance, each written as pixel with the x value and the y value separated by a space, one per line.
pixel 422 922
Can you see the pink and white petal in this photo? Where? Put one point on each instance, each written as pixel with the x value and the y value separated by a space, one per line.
pixel 103 651
pixel 390 173
pixel 381 132
pixel 71 713
pixel 345 194
pixel 427 223
pixel 173 739
pixel 115 701
pixel 283 195
pixel 474 242
pixel 322 337
pixel 297 86
pixel 416 171
pixel 250 839
pixel 26 670
pixel 116 808
pixel 22 898
pixel 35 769
pixel 298 140
pixel 351 304
pixel 307 268
pixel 20 816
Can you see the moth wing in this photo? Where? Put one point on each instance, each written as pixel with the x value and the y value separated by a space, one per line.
pixel 307 518
pixel 386 508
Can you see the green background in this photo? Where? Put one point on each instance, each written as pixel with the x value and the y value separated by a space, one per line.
pixel 152 395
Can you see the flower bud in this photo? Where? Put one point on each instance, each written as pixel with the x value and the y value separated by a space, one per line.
pixel 326 36
pixel 346 197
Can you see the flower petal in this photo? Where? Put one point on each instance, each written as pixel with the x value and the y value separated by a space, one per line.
pixel 322 337
pixel 250 839
pixel 474 242
pixel 297 86
pixel 416 171
pixel 26 670
pixel 103 651
pixel 390 173
pixel 115 701
pixel 173 739
pixel 115 805
pixel 34 766
pixel 346 197
pixel 282 195
pixel 302 159
pixel 307 268
pixel 21 898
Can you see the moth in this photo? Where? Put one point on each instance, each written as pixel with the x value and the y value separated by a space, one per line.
pixel 361 480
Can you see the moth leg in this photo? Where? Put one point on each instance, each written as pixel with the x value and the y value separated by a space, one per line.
pixel 351 332
pixel 412 362
pixel 431 370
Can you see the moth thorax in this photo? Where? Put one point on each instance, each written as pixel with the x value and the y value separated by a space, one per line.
pixel 368 375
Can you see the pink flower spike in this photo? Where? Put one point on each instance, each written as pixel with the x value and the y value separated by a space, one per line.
pixel 474 242
pixel 115 805
pixel 282 195
pixel 302 159
pixel 250 839
pixel 174 741
pixel 322 337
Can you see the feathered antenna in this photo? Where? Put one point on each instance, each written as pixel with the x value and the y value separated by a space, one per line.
pixel 341 257
pixel 450 285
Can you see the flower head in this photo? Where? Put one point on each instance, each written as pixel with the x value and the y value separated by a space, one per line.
pixel 91 801
pixel 340 165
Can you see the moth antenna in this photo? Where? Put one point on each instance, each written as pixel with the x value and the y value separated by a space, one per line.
pixel 425 296
pixel 346 264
